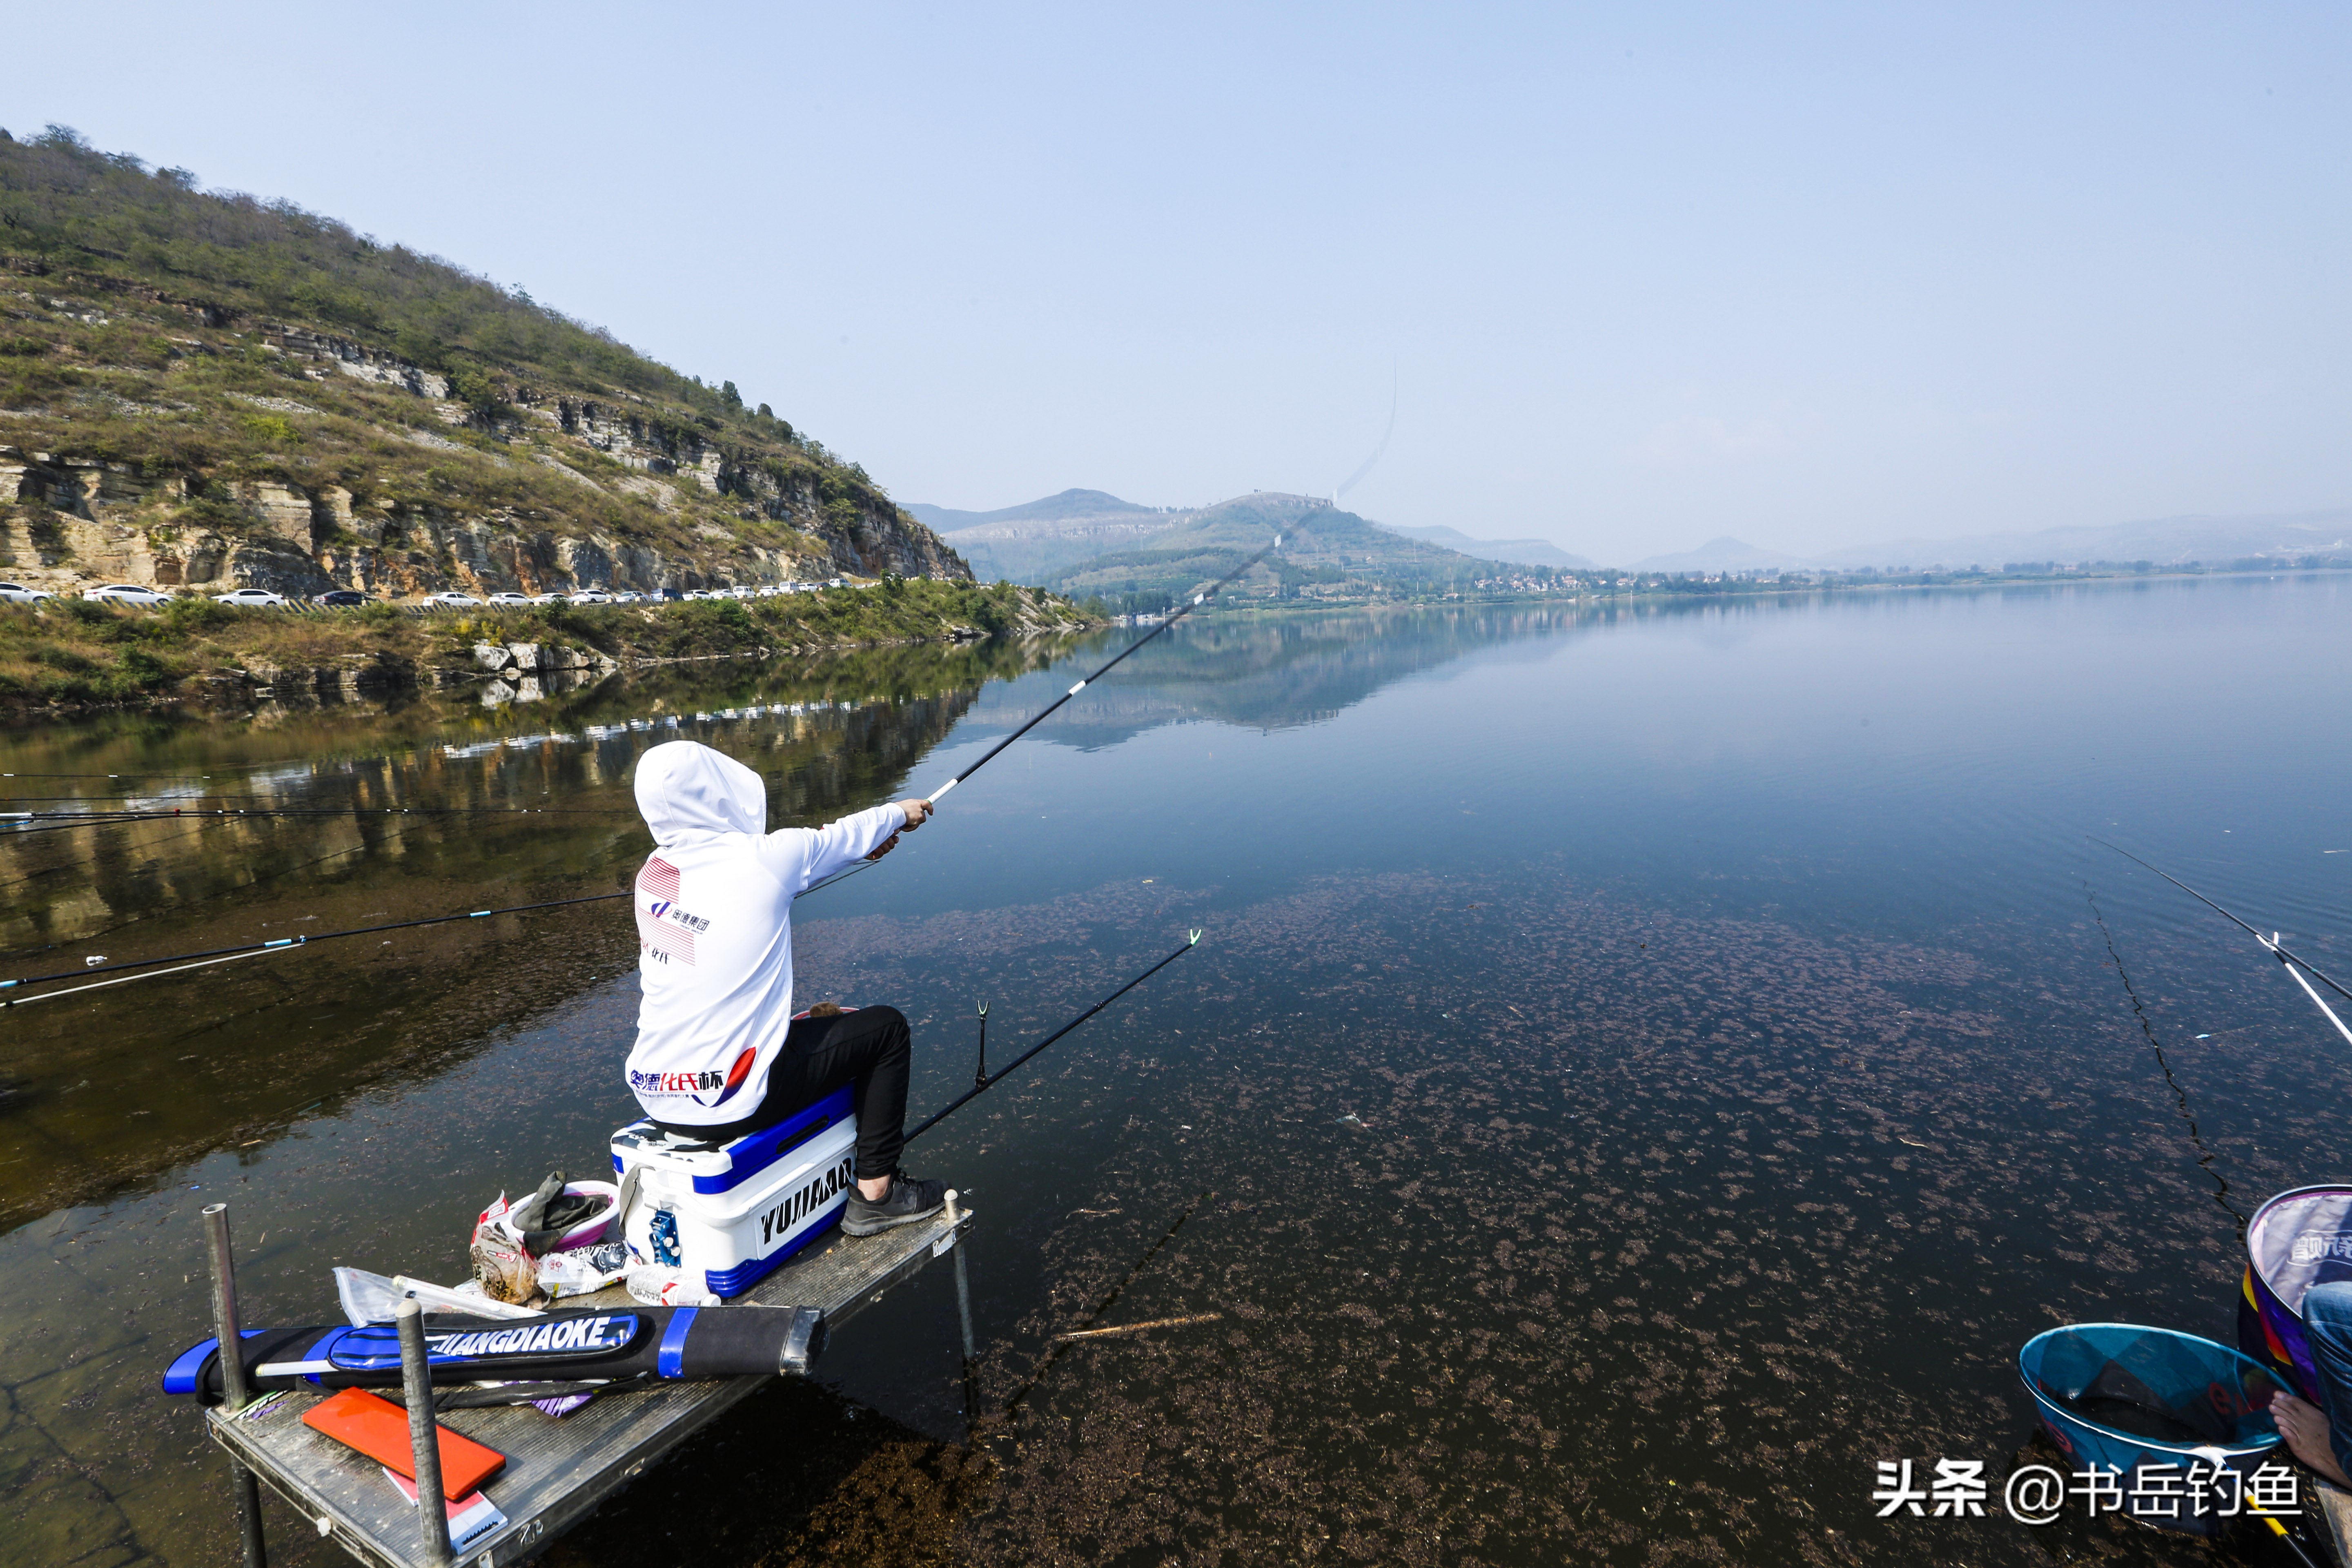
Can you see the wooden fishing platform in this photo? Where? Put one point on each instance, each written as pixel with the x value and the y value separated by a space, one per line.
pixel 2333 1506
pixel 559 1470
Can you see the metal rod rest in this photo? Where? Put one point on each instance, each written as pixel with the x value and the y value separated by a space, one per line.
pixel 234 1392
pixel 423 1433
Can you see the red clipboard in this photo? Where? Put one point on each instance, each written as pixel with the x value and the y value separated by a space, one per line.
pixel 379 1428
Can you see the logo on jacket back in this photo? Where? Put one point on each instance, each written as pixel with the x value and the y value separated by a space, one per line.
pixel 708 1090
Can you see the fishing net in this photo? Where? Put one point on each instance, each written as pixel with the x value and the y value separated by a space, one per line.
pixel 2298 1240
pixel 2153 1404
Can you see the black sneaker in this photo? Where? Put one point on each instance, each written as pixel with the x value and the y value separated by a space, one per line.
pixel 909 1201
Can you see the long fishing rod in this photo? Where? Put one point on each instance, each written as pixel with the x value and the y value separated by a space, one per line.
pixel 166 814
pixel 285 944
pixel 1043 713
pixel 2270 941
pixel 254 949
pixel 984 1080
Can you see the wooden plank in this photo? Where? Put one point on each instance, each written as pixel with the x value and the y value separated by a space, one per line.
pixel 2333 1505
pixel 559 1471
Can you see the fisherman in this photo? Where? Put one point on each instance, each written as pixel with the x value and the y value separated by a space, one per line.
pixel 2321 1435
pixel 719 1053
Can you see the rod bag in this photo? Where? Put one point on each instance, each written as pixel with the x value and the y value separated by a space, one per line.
pixel 674 1343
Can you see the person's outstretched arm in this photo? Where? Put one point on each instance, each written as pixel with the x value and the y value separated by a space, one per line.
pixel 802 855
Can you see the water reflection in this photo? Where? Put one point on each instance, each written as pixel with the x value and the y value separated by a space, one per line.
pixel 359 818
pixel 1644 1072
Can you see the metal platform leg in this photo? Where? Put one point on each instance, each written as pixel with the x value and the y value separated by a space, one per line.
pixel 423 1433
pixel 242 1486
pixel 963 1319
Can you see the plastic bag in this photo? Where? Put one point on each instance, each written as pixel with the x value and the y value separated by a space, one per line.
pixel 501 1262
pixel 582 1270
pixel 373 1299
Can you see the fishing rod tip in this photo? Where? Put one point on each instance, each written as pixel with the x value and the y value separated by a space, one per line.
pixel 1195 939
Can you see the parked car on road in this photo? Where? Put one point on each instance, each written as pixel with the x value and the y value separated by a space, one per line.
pixel 507 599
pixel 550 599
pixel 260 598
pixel 592 596
pixel 341 598
pixel 451 598
pixel 127 593
pixel 18 594
pixel 626 598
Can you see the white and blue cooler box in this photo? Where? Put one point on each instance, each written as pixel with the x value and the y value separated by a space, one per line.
pixel 741 1209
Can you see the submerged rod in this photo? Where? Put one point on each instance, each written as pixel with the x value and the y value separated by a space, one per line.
pixel 1041 714
pixel 2270 941
pixel 998 1077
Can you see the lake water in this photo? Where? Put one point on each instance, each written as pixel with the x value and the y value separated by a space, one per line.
pixel 1641 1070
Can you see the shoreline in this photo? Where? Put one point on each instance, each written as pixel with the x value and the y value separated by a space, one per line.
pixel 75 659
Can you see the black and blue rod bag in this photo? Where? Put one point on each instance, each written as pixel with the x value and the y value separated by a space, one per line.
pixel 666 1344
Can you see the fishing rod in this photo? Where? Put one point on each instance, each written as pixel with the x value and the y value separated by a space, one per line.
pixel 20 823
pixel 1043 714
pixel 256 949
pixel 983 1080
pixel 2270 941
pixel 186 960
pixel 2292 963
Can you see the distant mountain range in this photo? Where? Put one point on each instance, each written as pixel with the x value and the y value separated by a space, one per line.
pixel 1519 551
pixel 1323 550
pixel 1096 542
pixel 1036 541
pixel 2163 542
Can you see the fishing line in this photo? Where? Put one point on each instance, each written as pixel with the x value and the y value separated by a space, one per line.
pixel 1198 600
pixel 2270 941
pixel 1043 714
pixel 1062 1346
pixel 2180 1095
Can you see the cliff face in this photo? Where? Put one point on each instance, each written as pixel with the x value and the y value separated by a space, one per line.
pixel 181 403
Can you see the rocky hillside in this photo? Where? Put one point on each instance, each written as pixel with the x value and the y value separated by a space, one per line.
pixel 206 389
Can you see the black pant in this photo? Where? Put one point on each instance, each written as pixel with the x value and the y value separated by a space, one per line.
pixel 869 1048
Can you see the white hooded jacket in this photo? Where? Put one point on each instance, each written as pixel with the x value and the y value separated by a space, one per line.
pixel 714 930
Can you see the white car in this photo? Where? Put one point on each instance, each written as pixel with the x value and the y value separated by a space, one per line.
pixel 259 597
pixel 508 599
pixel 626 598
pixel 127 593
pixel 18 594
pixel 550 599
pixel 452 598
pixel 592 596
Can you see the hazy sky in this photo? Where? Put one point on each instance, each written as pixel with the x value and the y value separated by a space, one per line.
pixel 1644 274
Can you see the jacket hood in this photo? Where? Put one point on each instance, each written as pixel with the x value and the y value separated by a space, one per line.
pixel 687 792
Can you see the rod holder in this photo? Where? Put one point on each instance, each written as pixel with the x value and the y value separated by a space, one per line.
pixel 423 1433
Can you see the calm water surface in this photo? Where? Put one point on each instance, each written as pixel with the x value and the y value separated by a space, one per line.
pixel 1641 1071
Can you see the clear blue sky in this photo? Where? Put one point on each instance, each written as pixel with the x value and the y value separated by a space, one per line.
pixel 1645 274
